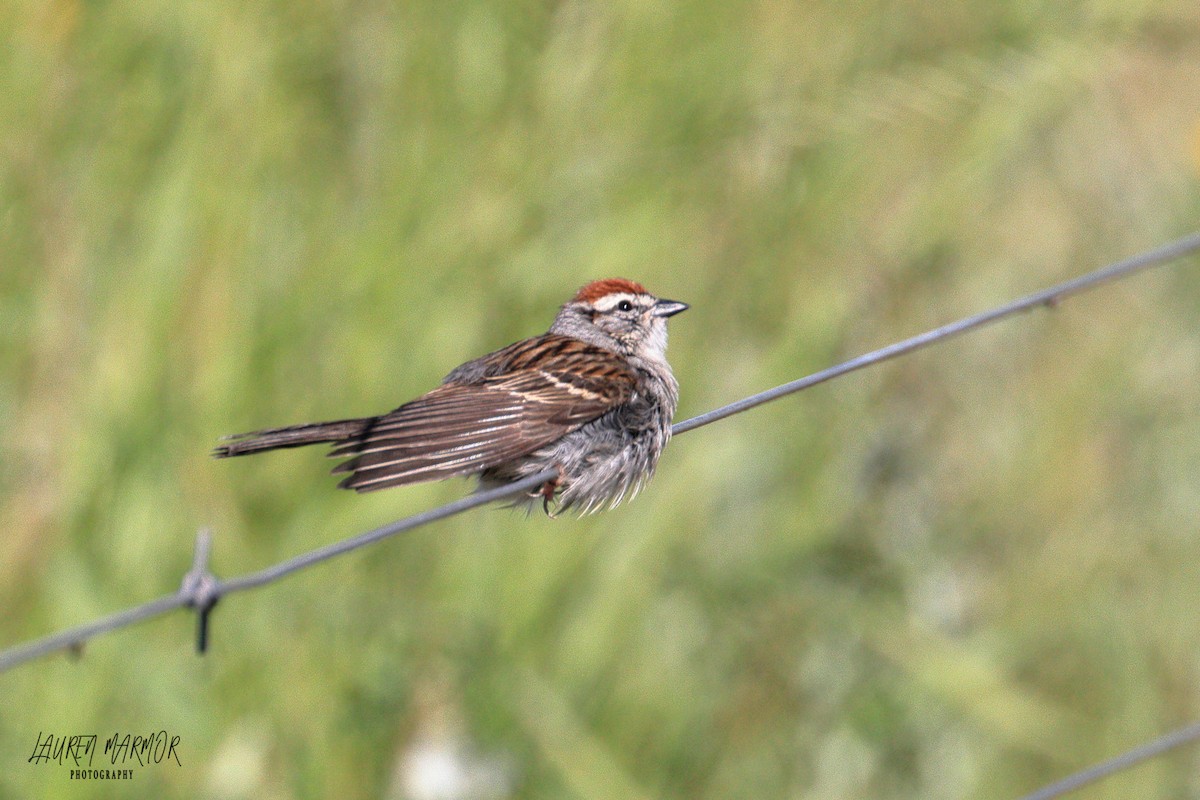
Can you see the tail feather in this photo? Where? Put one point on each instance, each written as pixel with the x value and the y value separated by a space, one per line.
pixel 241 444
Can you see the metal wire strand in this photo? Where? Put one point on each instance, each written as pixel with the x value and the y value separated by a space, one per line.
pixel 201 590
pixel 1130 758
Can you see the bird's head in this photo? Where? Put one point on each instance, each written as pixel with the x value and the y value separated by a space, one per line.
pixel 618 315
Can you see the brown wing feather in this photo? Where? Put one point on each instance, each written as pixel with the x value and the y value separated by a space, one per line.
pixel 461 428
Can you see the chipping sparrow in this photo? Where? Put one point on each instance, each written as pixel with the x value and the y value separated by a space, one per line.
pixel 593 398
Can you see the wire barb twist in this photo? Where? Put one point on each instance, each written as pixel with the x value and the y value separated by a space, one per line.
pixel 200 588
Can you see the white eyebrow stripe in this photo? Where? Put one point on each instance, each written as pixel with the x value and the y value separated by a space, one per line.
pixel 610 301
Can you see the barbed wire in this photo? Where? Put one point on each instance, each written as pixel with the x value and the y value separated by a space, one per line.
pixel 201 590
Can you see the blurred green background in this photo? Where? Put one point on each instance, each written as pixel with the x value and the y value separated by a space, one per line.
pixel 959 575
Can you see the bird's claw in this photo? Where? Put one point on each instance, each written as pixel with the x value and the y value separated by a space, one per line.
pixel 548 490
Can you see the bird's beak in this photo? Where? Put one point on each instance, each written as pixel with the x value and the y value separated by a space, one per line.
pixel 668 308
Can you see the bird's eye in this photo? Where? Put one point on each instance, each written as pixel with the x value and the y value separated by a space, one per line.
pixel 624 305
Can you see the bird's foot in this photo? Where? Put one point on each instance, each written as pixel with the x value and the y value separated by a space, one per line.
pixel 547 492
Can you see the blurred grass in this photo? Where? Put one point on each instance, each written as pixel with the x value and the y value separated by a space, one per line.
pixel 960 575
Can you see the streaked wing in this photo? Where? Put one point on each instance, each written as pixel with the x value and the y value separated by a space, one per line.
pixel 461 428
